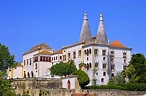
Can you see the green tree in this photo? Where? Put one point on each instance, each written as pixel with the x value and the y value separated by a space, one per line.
pixel 81 65
pixel 6 59
pixel 5 87
pixel 82 78
pixel 63 69
pixel 136 71
pixel 118 79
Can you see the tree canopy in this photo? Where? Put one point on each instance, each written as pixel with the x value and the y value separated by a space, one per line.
pixel 118 79
pixel 6 59
pixel 63 68
pixel 82 78
pixel 6 88
pixel 136 71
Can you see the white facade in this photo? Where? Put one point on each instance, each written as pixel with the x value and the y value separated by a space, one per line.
pixel 15 72
pixel 102 59
pixel 99 66
pixel 37 61
pixel 69 82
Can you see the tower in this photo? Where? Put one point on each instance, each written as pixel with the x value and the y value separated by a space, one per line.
pixel 101 34
pixel 85 34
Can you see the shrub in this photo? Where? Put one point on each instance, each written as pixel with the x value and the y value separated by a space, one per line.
pixel 106 87
pixel 82 78
pixel 128 87
pixel 136 86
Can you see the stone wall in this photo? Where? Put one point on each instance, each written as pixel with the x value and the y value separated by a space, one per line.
pixel 36 83
pixel 33 85
pixel 65 92
pixel 114 92
pixel 52 87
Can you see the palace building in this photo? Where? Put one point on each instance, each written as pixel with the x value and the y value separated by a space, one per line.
pixel 102 59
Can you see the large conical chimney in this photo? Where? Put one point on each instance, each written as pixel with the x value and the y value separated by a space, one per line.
pixel 85 34
pixel 101 34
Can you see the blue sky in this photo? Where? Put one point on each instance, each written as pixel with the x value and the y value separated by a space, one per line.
pixel 26 23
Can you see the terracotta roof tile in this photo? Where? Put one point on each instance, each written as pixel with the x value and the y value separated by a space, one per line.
pixel 116 43
pixel 39 46
pixel 58 52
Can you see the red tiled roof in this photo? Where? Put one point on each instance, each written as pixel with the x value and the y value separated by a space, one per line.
pixel 116 43
pixel 37 47
pixel 58 52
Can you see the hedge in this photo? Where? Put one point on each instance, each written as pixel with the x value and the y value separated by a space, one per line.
pixel 128 87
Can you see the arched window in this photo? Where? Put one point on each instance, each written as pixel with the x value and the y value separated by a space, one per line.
pixel 28 75
pixel 85 51
pixel 90 65
pixel 104 73
pixel 87 66
pixel 32 74
pixel 102 79
pixel 112 74
pixel 103 58
pixel 68 84
pixel 89 51
pixel 24 74
pixel 36 66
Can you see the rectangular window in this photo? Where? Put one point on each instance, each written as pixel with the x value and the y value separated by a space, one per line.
pixel 56 57
pixel 41 58
pixel 60 57
pixel 36 66
pixel 124 55
pixel 103 52
pixel 79 53
pixel 113 67
pixel 64 57
pixel 74 55
pixel 112 54
pixel 49 59
pixel 34 59
pixel 68 55
pixel 44 58
pixel 27 61
pixel 30 61
pixel 104 66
